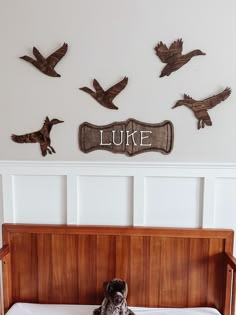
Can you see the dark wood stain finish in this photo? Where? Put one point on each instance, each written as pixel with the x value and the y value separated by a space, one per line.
pixel 41 136
pixel 47 65
pixel 200 108
pixel 105 98
pixel 173 56
pixel 160 137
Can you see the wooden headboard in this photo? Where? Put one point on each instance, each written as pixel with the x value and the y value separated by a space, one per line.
pixel 163 267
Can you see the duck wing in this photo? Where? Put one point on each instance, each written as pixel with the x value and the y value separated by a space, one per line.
pixel 46 122
pixel 40 58
pixel 187 97
pixel 176 47
pixel 55 57
pixel 26 138
pixel 113 91
pixel 218 98
pixel 97 86
pixel 162 52
pixel 165 53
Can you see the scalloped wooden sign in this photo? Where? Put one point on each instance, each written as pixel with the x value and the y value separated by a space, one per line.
pixel 130 137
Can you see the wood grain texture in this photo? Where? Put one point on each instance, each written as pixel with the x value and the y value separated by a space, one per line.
pixel 163 267
pixel 105 98
pixel 4 251
pixel 173 56
pixel 130 137
pixel 216 262
pixel 200 107
pixel 174 272
pixel 198 271
pixel 24 267
pixel 41 136
pixel 230 261
pixel 47 65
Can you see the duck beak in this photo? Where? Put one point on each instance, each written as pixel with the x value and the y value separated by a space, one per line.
pixel 177 105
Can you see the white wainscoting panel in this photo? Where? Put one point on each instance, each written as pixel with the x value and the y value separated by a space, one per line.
pixel 1 201
pixel 1 208
pixel 39 199
pixel 162 193
pixel 105 200
pixel 116 193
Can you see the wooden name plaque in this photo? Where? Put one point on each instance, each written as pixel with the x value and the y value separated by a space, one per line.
pixel 130 137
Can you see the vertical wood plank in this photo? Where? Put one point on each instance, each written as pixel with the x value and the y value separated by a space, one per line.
pixel 198 272
pixel 233 293
pixel 174 262
pixel 87 260
pixel 7 273
pixel 140 247
pixel 24 267
pixel 216 279
pixel 44 268
pixel 64 272
pixel 123 256
pixel 106 264
pixel 155 272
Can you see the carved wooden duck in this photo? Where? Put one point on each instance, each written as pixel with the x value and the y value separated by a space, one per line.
pixel 41 136
pixel 105 98
pixel 173 56
pixel 47 65
pixel 200 108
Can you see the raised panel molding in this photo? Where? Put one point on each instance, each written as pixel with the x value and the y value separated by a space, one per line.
pixel 105 200
pixel 7 198
pixel 212 184
pixel 39 199
pixel 173 201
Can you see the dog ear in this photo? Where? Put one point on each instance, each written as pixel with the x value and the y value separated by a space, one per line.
pixel 105 287
pixel 125 289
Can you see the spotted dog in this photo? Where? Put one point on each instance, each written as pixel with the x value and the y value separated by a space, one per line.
pixel 114 303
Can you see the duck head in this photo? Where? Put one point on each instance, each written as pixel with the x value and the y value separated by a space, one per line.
pixel 179 103
pixel 55 121
pixel 198 52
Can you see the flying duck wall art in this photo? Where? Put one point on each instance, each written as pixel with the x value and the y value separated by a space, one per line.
pixel 41 136
pixel 200 108
pixel 47 65
pixel 105 98
pixel 173 56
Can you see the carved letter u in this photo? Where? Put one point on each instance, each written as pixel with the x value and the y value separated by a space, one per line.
pixel 121 137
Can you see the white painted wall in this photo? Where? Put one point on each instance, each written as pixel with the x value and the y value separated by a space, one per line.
pixel 107 40
pixel 192 187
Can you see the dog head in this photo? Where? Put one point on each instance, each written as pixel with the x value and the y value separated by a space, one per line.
pixel 115 291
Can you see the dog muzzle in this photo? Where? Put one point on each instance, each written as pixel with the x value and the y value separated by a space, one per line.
pixel 118 298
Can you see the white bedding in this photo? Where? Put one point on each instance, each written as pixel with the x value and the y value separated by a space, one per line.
pixel 55 309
